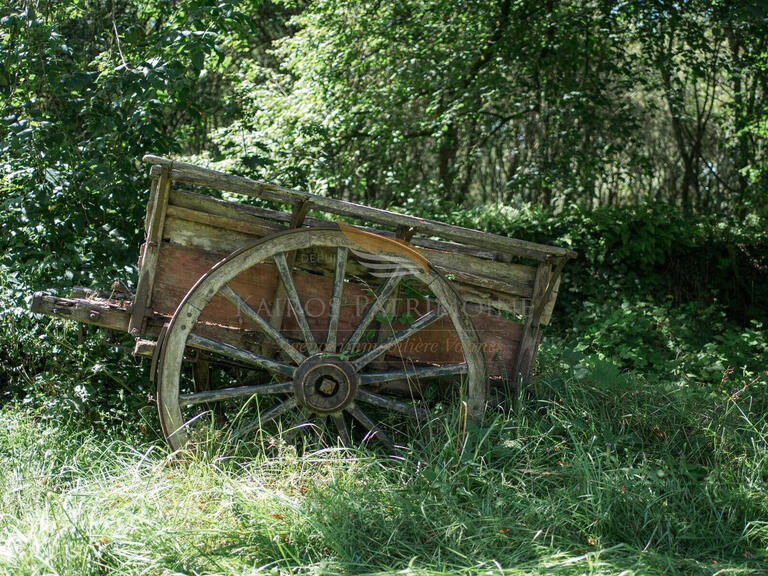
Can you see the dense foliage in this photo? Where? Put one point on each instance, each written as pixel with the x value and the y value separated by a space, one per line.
pixel 594 103
pixel 633 132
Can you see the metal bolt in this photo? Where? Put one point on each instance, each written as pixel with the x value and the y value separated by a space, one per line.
pixel 328 386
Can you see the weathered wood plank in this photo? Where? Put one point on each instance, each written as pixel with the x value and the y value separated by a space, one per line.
pixel 197 175
pixel 248 213
pixel 531 330
pixel 180 267
pixel 259 222
pixel 149 255
pixel 251 227
pixel 509 289
pixel 150 204
pixel 88 311
pixel 549 307
pixel 510 278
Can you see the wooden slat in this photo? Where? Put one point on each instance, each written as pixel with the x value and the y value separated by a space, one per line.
pixel 180 267
pixel 530 336
pixel 248 213
pixel 504 286
pixel 252 227
pixel 200 176
pixel 94 312
pixel 258 222
pixel 149 255
pixel 150 205
pixel 549 307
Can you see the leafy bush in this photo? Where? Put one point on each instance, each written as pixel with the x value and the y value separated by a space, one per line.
pixel 68 375
pixel 647 252
pixel 689 343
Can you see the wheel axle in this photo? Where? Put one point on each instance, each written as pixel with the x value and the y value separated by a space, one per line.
pixel 325 385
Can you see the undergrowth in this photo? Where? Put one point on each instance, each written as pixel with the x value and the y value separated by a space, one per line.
pixel 642 449
pixel 599 474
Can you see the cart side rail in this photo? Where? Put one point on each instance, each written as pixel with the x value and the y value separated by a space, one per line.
pixel 219 227
pixel 200 176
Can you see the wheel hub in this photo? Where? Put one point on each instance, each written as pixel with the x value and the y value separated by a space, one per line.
pixel 325 385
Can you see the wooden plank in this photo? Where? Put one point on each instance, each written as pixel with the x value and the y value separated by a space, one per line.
pixel 226 208
pixel 180 267
pixel 514 279
pixel 530 335
pixel 504 286
pixel 549 307
pixel 88 311
pixel 150 204
pixel 149 255
pixel 260 221
pixel 197 175
pixel 258 214
pixel 254 228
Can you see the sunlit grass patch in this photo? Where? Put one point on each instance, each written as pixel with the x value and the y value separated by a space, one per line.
pixel 590 477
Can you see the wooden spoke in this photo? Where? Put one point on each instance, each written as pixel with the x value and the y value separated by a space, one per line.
pixel 380 299
pixel 266 417
pixel 335 307
pixel 371 426
pixel 203 343
pixel 243 307
pixel 201 374
pixel 295 300
pixel 341 426
pixel 235 392
pixel 395 339
pixel 391 404
pixel 414 372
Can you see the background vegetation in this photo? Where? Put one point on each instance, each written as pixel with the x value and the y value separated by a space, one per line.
pixel 634 132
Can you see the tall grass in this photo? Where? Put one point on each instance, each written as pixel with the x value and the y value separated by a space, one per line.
pixel 595 476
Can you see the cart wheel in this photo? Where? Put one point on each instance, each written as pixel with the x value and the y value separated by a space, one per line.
pixel 331 380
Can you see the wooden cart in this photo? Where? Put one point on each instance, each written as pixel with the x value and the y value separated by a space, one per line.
pixel 307 317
